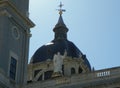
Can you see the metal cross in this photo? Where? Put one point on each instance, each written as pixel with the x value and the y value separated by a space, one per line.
pixel 61 10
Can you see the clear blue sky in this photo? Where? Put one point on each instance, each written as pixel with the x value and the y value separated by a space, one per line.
pixel 94 27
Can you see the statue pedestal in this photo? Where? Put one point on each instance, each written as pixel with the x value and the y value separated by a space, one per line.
pixel 57 74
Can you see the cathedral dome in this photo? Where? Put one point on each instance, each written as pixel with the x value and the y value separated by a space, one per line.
pixel 46 52
pixel 59 44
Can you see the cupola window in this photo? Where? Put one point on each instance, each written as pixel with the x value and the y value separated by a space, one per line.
pixel 80 70
pixel 72 71
pixel 47 75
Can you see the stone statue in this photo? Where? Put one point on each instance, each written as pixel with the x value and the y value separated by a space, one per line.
pixel 58 62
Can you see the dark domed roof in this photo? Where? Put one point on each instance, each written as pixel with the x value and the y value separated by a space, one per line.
pixel 59 44
pixel 47 51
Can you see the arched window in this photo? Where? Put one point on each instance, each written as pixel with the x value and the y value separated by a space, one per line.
pixel 80 70
pixel 48 75
pixel 72 71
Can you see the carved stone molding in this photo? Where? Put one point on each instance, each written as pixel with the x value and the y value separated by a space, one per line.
pixel 14 10
pixel 5 13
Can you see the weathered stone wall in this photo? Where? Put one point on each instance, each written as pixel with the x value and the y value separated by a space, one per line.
pixel 106 78
pixel 14 41
pixel 68 63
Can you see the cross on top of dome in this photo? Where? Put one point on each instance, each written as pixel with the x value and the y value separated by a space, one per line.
pixel 61 10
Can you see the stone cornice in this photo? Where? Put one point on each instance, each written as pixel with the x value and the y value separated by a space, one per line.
pixel 11 6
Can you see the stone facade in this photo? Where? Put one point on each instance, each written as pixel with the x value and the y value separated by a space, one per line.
pixel 71 66
pixel 106 78
pixel 14 42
